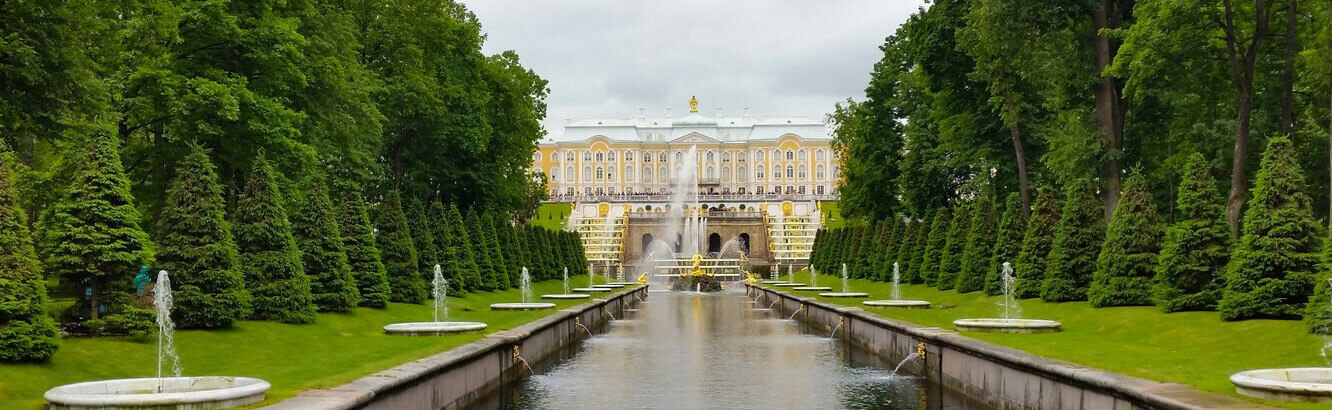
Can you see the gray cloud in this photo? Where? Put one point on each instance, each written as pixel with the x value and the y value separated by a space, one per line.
pixel 607 58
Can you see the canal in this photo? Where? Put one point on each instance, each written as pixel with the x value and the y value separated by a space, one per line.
pixel 687 350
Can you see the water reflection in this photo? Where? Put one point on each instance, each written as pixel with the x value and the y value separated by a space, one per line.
pixel 693 351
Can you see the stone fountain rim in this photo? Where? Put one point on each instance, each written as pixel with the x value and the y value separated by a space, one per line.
pixel 62 395
pixel 896 303
pixel 561 296
pixel 407 328
pixel 522 306
pixel 1271 380
pixel 1001 323
pixel 608 285
pixel 811 288
pixel 592 289
pixel 788 284
pixel 844 294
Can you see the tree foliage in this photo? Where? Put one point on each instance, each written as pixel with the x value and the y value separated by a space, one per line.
pixel 978 253
pixel 315 228
pixel 27 334
pixel 1196 246
pixel 393 236
pixel 362 252
pixel 1030 270
pixel 1124 269
pixel 1007 244
pixel 270 260
pixel 1077 242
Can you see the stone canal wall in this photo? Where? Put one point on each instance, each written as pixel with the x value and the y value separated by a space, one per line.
pixel 467 373
pixel 995 375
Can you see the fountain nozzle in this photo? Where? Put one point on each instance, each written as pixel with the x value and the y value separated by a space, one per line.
pixel 920 351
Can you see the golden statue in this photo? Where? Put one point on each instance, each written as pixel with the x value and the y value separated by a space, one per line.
pixel 642 279
pixel 751 278
pixel 693 104
pixel 696 270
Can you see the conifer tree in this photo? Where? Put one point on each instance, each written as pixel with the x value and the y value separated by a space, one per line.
pixel 460 246
pixel 398 252
pixel 423 238
pixel 1271 272
pixel 1318 314
pixel 1030 268
pixel 864 266
pixel 319 237
pixel 950 260
pixel 977 256
pixel 450 262
pixel 1124 269
pixel 198 251
pixel 91 237
pixel 27 334
pixel 1196 247
pixel 501 266
pixel 508 248
pixel 888 249
pixel 270 261
pixel 1076 244
pixel 908 251
pixel 358 240
pixel 481 251
pixel 937 238
pixel 816 256
pixel 1008 243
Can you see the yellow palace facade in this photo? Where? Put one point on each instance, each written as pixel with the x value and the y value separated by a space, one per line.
pixel 736 157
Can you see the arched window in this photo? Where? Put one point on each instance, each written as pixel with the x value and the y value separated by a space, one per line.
pixel 569 174
pixel 610 174
pixel 555 174
pixel 712 173
pixel 710 156
pixel 662 176
pixel 647 242
pixel 714 243
pixel 836 171
pixel 726 174
pixel 629 173
pixel 742 174
pixel 726 157
pixel 802 172
pixel 679 156
pixel 569 156
pixel 790 172
pixel 818 172
pixel 803 154
pixel 610 156
pixel 628 155
pixel 818 155
pixel 587 190
pixel 587 156
pixel 661 157
pixel 601 174
pixel 647 174
pixel 587 174
pixel 790 155
pixel 776 155
pixel 740 156
pixel 758 172
pixel 758 155
pixel 536 156
pixel 601 156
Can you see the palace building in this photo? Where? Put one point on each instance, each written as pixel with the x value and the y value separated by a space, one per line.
pixel 743 156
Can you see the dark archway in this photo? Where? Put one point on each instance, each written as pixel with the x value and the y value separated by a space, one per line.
pixel 744 243
pixel 714 243
pixel 647 243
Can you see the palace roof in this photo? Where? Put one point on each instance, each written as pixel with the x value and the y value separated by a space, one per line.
pixel 667 129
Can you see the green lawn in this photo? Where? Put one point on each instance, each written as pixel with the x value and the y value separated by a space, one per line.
pixel 1194 348
pixel 552 216
pixel 336 349
pixel 832 214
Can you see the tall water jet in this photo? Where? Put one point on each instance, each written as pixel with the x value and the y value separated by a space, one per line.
pixel 204 392
pixel 566 279
pixel 525 289
pixel 566 294
pixel 439 290
pixel 896 301
pixel 1008 324
pixel 846 288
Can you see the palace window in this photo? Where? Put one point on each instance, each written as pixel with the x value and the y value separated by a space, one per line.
pixel 818 172
pixel 601 174
pixel 740 156
pixel 628 156
pixel 790 155
pixel 712 173
pixel 776 155
pixel 758 189
pixel 803 154
pixel 569 191
pixel 568 174
pixel 587 191
pixel 587 174
pixel 662 176
pixel 661 157
pixel 601 191
pixel 647 174
pixel 741 174
pixel 601 156
pixel 802 173
pixel 818 155
pixel 818 189
pixel 536 156
pixel 758 155
pixel 777 173
pixel 726 174
pixel 610 156
pixel 647 157
pixel 569 156
pixel 679 156
pixel 710 156
pixel 758 172
pixel 554 174
pixel 726 157
pixel 800 190
pixel 836 171
pixel 790 172
pixel 629 173
pixel 610 174
pixel 587 156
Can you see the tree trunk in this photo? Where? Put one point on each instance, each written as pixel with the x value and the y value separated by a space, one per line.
pixel 1242 61
pixel 1109 102
pixel 93 304
pixel 1024 182
pixel 1288 72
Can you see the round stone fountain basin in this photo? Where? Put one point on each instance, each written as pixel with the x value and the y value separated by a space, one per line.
pixel 897 304
pixel 522 306
pixel 586 290
pixel 772 282
pixel 433 328
pixel 200 392
pixel 607 286
pixel 844 294
pixel 812 288
pixel 787 284
pixel 1007 325
pixel 565 296
pixel 1300 384
pixel 623 283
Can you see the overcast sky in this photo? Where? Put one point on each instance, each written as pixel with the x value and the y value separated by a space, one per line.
pixel 608 58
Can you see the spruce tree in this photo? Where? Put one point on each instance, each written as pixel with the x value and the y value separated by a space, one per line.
pixel 423 238
pixel 508 248
pixel 908 249
pixel 1271 272
pixel 461 242
pixel 864 266
pixel 398 253
pixel 1124 270
pixel 270 260
pixel 816 256
pixel 319 237
pixel 450 262
pixel 1196 247
pixel 1029 270
pixel 27 334
pixel 1007 245
pixel 1318 314
pixel 358 239
pixel 481 251
pixel 91 237
pixel 198 251
pixel 977 256
pixel 950 260
pixel 1077 242
pixel 496 255
pixel 928 267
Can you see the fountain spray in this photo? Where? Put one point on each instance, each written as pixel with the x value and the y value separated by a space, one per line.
pixel 166 329
pixel 440 290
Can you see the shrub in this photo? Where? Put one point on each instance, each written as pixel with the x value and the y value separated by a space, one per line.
pixel 1196 248
pixel 1077 242
pixel 1124 270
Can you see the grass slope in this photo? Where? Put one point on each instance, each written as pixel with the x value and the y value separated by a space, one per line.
pixel 832 214
pixel 1193 348
pixel 552 216
pixel 336 349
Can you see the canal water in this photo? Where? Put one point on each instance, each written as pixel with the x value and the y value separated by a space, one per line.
pixel 686 350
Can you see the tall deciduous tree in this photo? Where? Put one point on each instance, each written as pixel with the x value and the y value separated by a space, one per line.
pixel 1125 266
pixel 1271 272
pixel 1196 247
pixel 198 250
pixel 270 259
pixel 1077 242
